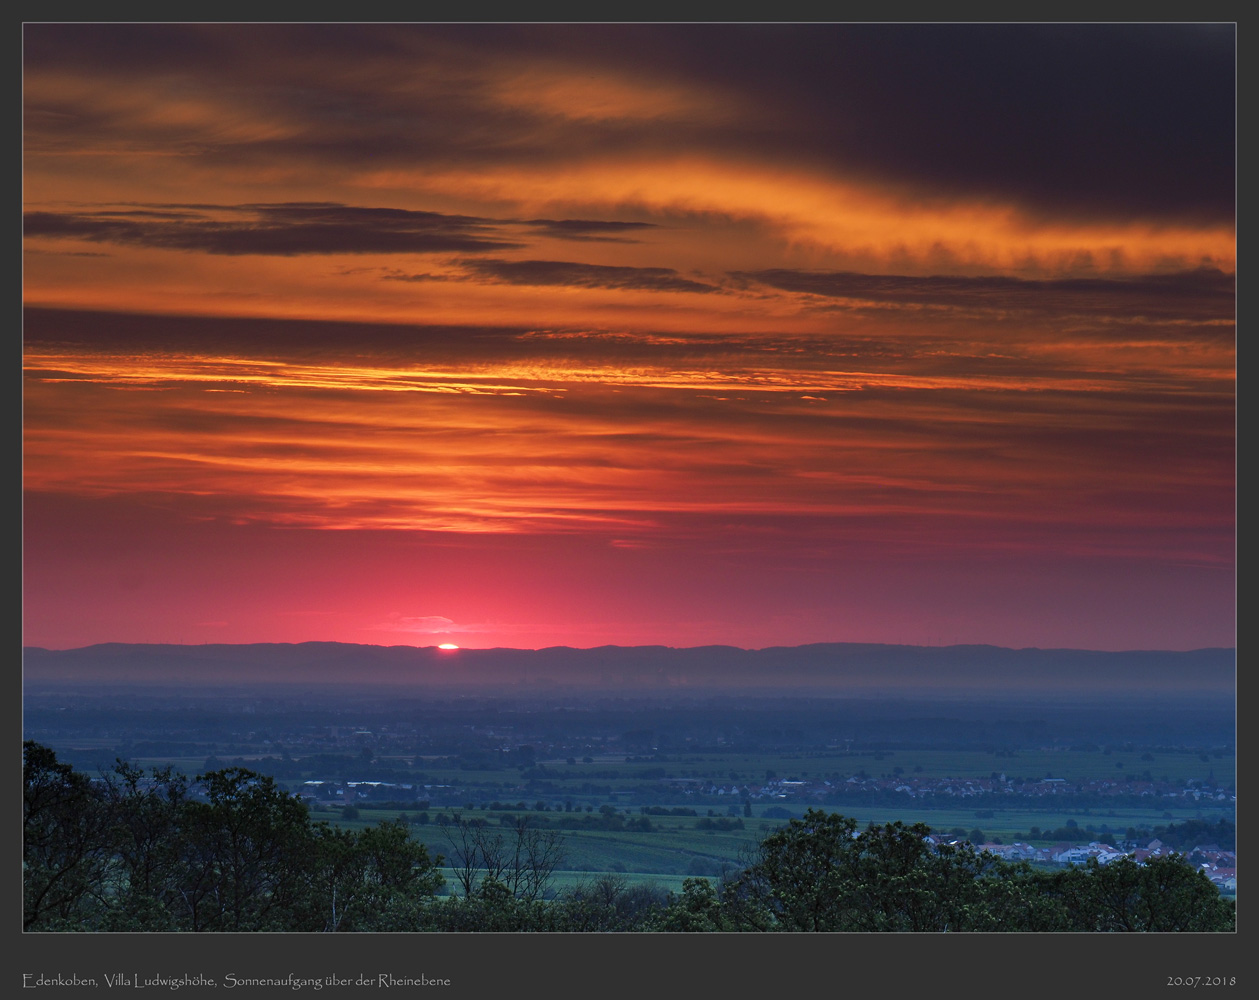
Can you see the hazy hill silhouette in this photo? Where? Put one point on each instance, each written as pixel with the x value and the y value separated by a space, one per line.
pixel 836 668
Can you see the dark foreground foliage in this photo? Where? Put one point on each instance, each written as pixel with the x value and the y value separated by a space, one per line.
pixel 139 852
pixel 820 874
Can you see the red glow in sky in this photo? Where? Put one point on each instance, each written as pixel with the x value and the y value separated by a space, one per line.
pixel 544 334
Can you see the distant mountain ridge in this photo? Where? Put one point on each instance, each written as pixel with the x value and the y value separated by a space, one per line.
pixel 823 667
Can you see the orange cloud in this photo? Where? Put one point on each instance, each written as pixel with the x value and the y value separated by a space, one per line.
pixel 819 216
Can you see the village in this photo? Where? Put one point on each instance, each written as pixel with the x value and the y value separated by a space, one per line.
pixel 775 795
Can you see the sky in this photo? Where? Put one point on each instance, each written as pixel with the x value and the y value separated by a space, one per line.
pixel 544 334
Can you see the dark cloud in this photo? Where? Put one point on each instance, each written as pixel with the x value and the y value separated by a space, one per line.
pixel 1205 293
pixel 326 341
pixel 425 276
pixel 1080 120
pixel 925 351
pixel 256 337
pixel 277 230
pixel 143 213
pixel 588 230
pixel 65 253
pixel 575 275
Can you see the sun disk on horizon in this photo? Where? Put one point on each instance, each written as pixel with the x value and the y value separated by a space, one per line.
pixel 447 645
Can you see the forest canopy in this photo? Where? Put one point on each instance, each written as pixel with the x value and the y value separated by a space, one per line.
pixel 231 851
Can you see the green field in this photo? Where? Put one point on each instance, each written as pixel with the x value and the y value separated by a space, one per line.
pixel 675 848
pixel 1176 765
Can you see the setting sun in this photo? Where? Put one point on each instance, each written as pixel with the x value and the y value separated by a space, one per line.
pixel 447 645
